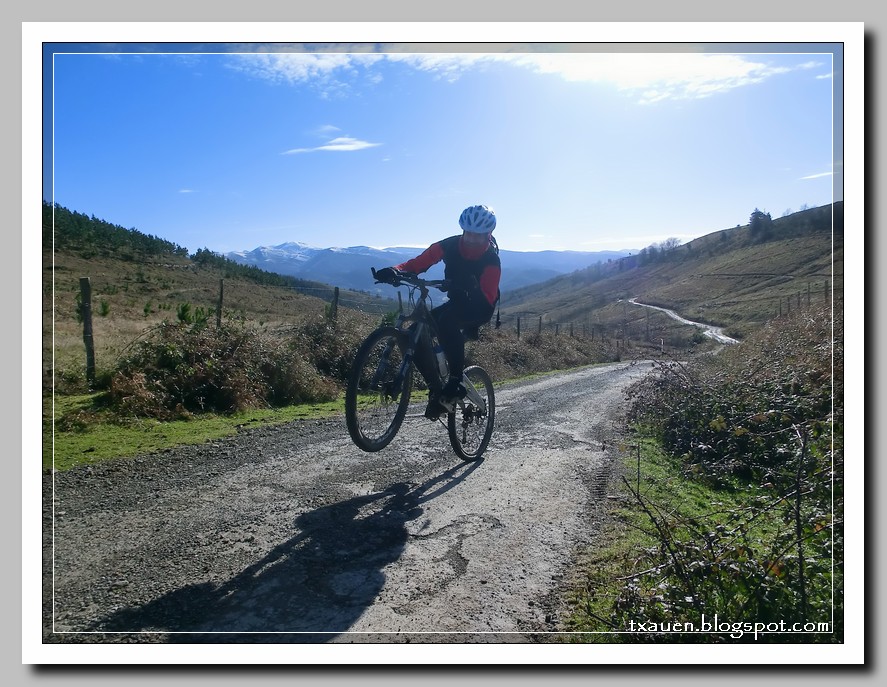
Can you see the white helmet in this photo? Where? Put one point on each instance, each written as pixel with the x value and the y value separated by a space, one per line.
pixel 478 219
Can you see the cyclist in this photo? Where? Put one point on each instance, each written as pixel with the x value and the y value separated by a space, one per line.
pixel 471 265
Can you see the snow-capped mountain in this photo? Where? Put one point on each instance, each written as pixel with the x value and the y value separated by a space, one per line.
pixel 349 268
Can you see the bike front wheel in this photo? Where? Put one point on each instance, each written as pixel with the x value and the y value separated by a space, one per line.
pixel 378 390
pixel 470 426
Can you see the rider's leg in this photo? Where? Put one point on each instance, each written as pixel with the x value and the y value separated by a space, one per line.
pixel 452 317
pixel 451 340
pixel 450 320
pixel 425 362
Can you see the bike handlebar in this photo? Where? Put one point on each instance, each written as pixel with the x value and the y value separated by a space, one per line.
pixel 414 280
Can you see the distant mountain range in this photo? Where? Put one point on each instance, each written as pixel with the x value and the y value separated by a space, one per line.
pixel 349 268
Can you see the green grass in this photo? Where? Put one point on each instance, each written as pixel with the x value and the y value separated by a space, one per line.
pixel 628 532
pixel 83 433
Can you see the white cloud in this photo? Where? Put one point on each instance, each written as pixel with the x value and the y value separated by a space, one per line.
pixel 818 176
pixel 342 143
pixel 650 77
pixel 654 77
pixel 326 130
pixel 293 67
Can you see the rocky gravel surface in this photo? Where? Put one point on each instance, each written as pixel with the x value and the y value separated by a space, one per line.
pixel 292 534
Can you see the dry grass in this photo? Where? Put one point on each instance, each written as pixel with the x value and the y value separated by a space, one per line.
pixel 722 279
pixel 139 297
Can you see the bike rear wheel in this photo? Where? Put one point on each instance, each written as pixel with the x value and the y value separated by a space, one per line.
pixel 470 426
pixel 378 390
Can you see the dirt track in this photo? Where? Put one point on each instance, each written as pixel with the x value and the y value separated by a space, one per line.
pixel 292 534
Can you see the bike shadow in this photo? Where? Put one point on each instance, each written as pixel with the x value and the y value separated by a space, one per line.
pixel 309 588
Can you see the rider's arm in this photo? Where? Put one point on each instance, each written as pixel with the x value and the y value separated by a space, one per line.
pixel 430 256
pixel 489 282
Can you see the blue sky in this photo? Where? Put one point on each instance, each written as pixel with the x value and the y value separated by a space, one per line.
pixel 586 153
pixel 234 146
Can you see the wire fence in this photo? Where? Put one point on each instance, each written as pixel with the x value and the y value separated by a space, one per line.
pixel 621 332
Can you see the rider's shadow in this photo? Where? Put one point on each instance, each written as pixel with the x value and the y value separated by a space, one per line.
pixel 307 589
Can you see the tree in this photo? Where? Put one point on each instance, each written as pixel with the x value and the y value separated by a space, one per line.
pixel 760 225
pixel 670 243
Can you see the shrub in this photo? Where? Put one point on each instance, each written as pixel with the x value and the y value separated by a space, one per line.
pixel 180 369
pixel 330 346
pixel 764 417
pixel 736 412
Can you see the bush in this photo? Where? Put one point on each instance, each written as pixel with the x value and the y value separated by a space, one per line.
pixel 330 346
pixel 764 418
pixel 504 355
pixel 736 413
pixel 180 369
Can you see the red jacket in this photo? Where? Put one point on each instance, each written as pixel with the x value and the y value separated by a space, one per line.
pixel 489 276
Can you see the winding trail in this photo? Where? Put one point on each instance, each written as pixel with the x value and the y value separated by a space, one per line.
pixel 716 333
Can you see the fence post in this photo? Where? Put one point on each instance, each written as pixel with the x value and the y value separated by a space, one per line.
pixel 86 313
pixel 624 320
pixel 518 327
pixel 219 310
pixel 334 306
pixel 540 324
pixel 557 328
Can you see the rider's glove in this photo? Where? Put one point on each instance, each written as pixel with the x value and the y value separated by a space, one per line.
pixel 387 275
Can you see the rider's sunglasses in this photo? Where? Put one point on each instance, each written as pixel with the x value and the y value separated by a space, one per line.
pixel 472 237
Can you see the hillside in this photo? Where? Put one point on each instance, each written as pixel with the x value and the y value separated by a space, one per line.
pixel 139 284
pixel 138 281
pixel 736 278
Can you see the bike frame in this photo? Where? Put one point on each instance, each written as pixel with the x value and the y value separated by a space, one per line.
pixel 378 392
pixel 421 316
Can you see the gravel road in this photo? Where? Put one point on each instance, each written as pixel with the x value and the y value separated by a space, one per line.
pixel 293 534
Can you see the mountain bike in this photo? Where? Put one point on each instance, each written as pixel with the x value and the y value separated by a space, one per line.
pixel 381 379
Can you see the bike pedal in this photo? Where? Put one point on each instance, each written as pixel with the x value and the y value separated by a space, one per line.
pixel 450 406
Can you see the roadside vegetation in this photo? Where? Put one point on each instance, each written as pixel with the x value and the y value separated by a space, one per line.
pixel 731 500
pixel 187 383
pixel 170 366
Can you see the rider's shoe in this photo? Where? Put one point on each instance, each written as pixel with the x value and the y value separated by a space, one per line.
pixel 452 392
pixel 434 409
